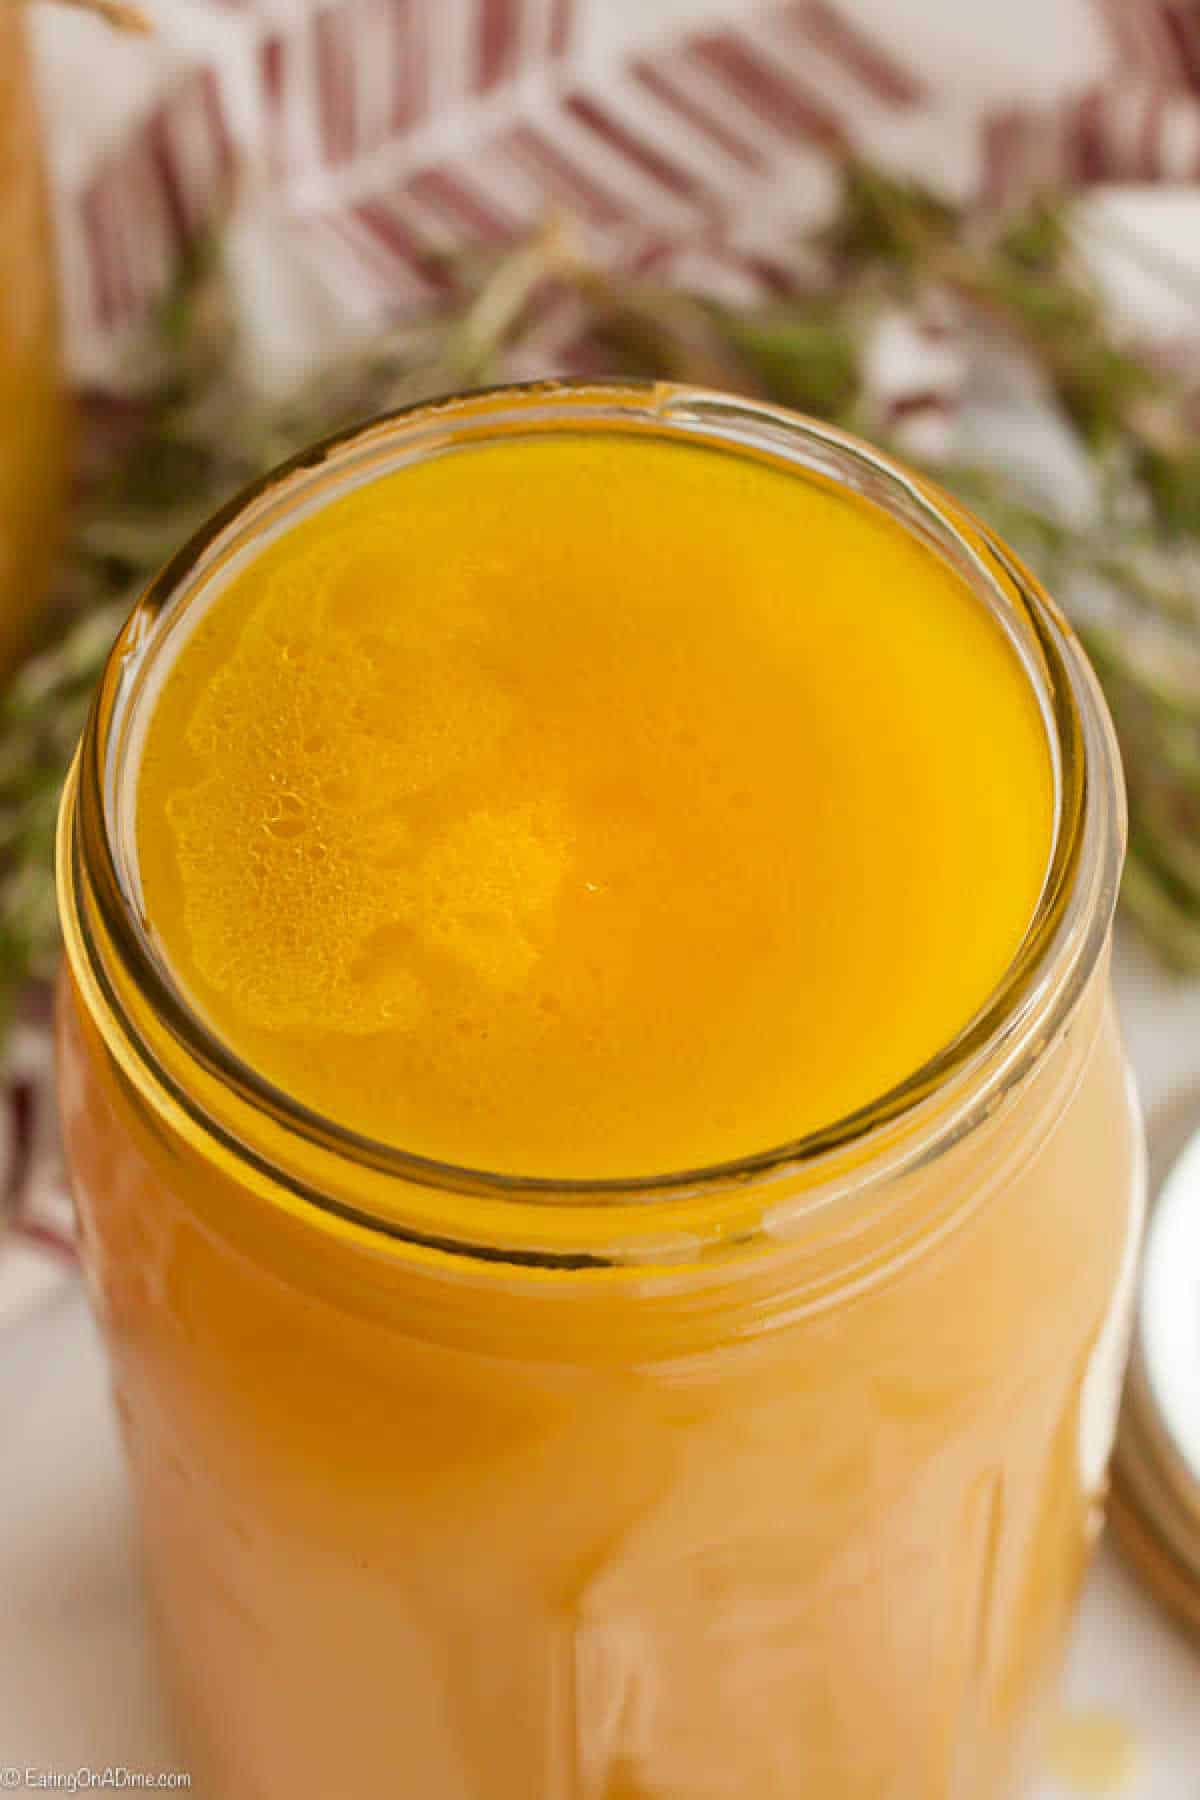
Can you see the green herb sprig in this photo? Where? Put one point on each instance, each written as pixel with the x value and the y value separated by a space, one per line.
pixel 1014 278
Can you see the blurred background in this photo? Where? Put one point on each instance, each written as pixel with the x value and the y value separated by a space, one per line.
pixel 229 226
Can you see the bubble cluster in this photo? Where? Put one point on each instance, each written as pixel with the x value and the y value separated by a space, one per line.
pixel 343 702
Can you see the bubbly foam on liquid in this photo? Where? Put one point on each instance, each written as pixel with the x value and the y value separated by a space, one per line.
pixel 361 706
pixel 592 806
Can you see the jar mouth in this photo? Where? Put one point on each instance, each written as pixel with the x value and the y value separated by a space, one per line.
pixel 113 957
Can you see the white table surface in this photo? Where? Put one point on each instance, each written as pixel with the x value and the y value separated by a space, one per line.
pixel 77 1685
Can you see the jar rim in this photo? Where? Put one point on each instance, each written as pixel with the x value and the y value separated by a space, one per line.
pixel 111 953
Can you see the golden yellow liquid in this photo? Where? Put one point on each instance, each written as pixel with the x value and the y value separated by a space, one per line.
pixel 597 805
pixel 32 424
pixel 593 806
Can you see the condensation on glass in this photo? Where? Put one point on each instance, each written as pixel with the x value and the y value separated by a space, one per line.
pixel 769 1480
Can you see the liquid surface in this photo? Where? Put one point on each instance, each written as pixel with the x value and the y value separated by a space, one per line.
pixel 591 806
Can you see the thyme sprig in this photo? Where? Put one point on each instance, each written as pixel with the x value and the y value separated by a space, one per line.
pixel 1128 571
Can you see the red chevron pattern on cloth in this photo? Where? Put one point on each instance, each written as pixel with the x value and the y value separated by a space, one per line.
pixel 1141 124
pixel 135 218
pixel 376 130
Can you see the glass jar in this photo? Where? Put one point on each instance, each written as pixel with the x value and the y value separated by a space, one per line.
pixel 32 430
pixel 768 1479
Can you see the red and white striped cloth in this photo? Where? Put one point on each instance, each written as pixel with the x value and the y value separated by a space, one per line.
pixel 343 139
pixel 351 136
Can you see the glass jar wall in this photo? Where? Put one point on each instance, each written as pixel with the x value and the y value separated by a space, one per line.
pixel 770 1478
